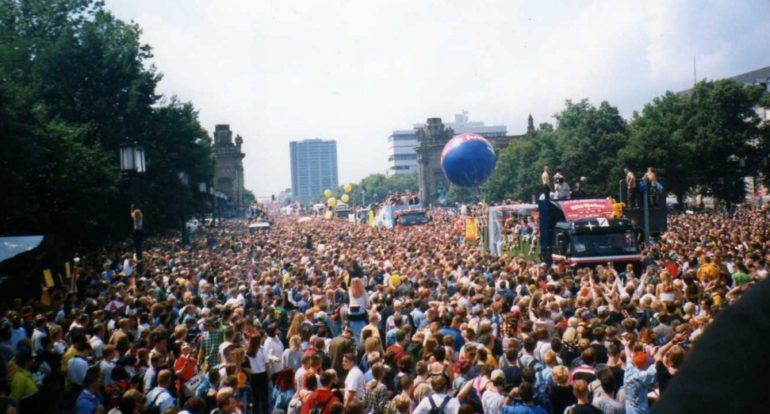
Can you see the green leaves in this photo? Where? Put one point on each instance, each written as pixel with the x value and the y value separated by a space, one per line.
pixel 708 140
pixel 74 83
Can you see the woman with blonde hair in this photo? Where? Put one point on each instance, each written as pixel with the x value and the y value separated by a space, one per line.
pixel 295 325
pixel 292 356
pixel 358 302
pixel 357 293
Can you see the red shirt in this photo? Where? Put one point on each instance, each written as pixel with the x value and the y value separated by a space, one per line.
pixel 320 398
pixel 398 352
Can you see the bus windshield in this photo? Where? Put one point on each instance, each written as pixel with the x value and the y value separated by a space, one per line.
pixel 411 219
pixel 603 244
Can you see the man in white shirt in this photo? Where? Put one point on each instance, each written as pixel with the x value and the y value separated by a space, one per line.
pixel 439 399
pixel 39 333
pixel 493 399
pixel 274 348
pixel 96 341
pixel 354 380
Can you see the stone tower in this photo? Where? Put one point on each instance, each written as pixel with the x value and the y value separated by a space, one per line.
pixel 228 175
pixel 431 139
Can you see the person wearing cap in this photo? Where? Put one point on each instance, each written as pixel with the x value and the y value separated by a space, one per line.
pixel 492 400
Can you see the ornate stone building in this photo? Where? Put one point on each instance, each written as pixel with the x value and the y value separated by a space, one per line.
pixel 431 139
pixel 228 174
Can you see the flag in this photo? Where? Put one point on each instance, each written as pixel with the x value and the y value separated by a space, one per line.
pixel 471 229
pixel 48 278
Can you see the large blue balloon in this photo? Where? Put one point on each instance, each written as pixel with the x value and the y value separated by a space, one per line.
pixel 468 160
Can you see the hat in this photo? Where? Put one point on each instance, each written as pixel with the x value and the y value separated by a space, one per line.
pixel 497 374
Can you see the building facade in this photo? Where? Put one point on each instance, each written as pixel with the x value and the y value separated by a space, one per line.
pixel 228 173
pixel 313 168
pixel 431 139
pixel 402 156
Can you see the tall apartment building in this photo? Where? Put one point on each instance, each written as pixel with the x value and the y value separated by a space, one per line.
pixel 313 168
pixel 402 158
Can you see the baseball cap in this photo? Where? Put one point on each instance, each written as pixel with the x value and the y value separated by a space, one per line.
pixel 497 374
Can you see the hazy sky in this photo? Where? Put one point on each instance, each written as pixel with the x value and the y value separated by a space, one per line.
pixel 355 70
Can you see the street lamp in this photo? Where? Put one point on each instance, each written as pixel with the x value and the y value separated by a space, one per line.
pixel 220 201
pixel 132 162
pixel 184 178
pixel 202 189
pixel 212 192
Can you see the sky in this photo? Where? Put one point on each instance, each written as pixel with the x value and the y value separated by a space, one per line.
pixel 355 70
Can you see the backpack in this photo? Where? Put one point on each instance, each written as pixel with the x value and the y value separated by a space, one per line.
pixel 536 365
pixel 319 408
pixel 440 408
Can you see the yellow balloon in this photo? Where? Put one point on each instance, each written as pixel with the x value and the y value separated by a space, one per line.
pixel 348 188
pixel 331 201
pixel 345 198
pixel 328 193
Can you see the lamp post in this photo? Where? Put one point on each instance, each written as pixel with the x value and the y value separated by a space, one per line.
pixel 221 202
pixel 132 164
pixel 212 192
pixel 184 179
pixel 202 189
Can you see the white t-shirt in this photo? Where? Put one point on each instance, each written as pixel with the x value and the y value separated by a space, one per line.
pixel 274 351
pixel 354 381
pixel 258 363
pixel 492 402
pixel 452 406
pixel 361 301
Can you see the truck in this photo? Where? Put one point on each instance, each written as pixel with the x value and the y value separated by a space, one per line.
pixel 585 232
pixel 402 215
pixel 411 217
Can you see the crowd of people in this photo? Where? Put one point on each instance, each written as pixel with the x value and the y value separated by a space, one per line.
pixel 331 317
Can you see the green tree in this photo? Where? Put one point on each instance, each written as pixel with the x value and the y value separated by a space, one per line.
pixel 706 139
pixel 75 83
pixel 589 140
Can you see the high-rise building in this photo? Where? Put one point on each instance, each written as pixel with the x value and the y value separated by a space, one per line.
pixel 313 168
pixel 402 157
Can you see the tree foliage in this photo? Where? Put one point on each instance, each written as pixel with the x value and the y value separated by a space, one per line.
pixel 377 186
pixel 74 83
pixel 707 140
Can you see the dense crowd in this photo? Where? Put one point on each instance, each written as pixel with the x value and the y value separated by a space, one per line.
pixel 330 317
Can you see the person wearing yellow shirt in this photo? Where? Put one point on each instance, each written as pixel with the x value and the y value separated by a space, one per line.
pixel 23 386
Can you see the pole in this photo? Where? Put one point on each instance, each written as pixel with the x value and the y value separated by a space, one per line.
pixel 620 191
pixel 646 215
